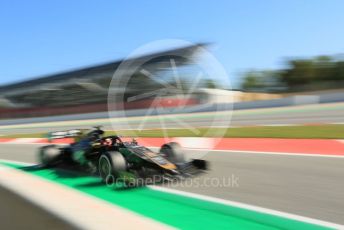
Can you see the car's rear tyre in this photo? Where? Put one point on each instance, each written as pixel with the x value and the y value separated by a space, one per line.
pixel 173 152
pixel 49 155
pixel 110 166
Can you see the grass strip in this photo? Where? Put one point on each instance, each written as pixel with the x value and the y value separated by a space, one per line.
pixel 297 132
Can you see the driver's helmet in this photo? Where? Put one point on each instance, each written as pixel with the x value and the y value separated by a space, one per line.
pixel 134 141
pixel 108 142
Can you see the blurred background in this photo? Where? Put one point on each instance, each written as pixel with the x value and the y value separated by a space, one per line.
pixel 50 53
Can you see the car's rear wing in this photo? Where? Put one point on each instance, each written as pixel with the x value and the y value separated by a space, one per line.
pixel 65 134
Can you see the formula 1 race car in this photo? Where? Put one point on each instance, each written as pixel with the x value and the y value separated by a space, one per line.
pixel 112 159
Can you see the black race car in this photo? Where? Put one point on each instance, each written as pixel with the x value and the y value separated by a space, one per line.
pixel 114 159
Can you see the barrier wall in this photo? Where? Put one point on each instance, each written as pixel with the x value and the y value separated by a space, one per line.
pixel 288 101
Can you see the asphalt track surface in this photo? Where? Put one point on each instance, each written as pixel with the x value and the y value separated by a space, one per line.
pixel 303 185
pixel 293 115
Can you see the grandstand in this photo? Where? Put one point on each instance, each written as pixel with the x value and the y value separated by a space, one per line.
pixel 82 90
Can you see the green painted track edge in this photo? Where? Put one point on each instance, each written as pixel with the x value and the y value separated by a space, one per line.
pixel 175 210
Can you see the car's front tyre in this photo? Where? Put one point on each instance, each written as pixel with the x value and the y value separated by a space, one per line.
pixel 173 152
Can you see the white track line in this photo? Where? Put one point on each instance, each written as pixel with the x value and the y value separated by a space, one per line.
pixel 264 153
pixel 25 140
pixel 13 143
pixel 77 208
pixel 16 162
pixel 249 207
pixel 280 153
